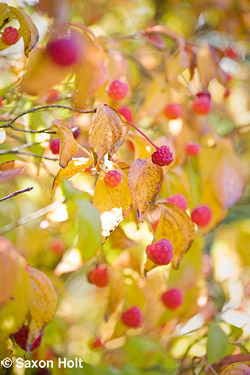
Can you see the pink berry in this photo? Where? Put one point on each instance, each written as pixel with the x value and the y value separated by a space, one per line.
pixel 172 298
pixel 10 36
pixel 97 343
pixel 132 317
pixel 202 104
pixel 99 276
pixel 201 215
pixel 1 101
pixel 65 51
pixel 117 90
pixel 179 200
pixel 112 178
pixel 21 338
pixel 173 111
pixel 162 156
pixel 231 53
pixel 55 145
pixel 160 252
pixel 126 112
pixel 76 131
pixel 192 149
pixel 227 93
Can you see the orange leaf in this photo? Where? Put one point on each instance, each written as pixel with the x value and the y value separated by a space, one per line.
pixel 144 181
pixel 10 169
pixel 68 144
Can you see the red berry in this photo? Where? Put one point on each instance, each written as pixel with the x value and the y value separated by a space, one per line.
pixel 192 149
pixel 173 111
pixel 202 104
pixel 227 93
pixel 76 131
pixel 57 246
pixel 97 343
pixel 21 338
pixel 160 252
pixel 65 51
pixel 179 200
pixel 112 178
pixel 117 90
pixel 55 145
pixel 231 53
pixel 132 317
pixel 162 156
pixel 126 112
pixel 1 101
pixel 172 298
pixel 99 276
pixel 201 215
pixel 10 36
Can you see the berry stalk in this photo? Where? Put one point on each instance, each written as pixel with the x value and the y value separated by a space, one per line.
pixel 144 135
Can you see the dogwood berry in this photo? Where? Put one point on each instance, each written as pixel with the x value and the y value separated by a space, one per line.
pixel 65 51
pixel 1 101
pixel 201 215
pixel 117 90
pixel 55 145
pixel 10 36
pixel 162 156
pixel 179 200
pixel 192 149
pixel 160 252
pixel 202 104
pixel 112 178
pixel 132 317
pixel 99 276
pixel 173 111
pixel 21 338
pixel 172 298
pixel 97 343
pixel 126 112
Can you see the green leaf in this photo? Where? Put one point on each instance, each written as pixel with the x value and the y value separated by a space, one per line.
pixel 217 344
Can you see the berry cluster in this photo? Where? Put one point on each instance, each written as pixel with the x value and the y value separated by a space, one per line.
pixel 160 252
pixel 162 156
pixel 10 36
pixel 112 178
pixel 117 90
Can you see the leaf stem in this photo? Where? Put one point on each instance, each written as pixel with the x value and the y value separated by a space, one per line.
pixel 144 135
pixel 16 193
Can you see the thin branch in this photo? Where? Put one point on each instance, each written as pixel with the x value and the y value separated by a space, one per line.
pixel 16 193
pixel 27 154
pixel 144 135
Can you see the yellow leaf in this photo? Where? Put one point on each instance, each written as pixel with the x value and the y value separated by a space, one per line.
pixel 144 181
pixel 116 291
pixel 10 169
pixel 113 204
pixel 107 132
pixel 176 226
pixel 42 303
pixel 68 144
pixel 175 65
pixel 73 168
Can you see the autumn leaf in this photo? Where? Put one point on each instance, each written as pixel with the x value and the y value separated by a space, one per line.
pixel 144 181
pixel 107 132
pixel 73 168
pixel 178 228
pixel 114 203
pixel 68 144
pixel 42 303
pixel 10 169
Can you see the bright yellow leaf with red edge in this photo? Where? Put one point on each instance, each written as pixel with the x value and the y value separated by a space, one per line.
pixel 176 226
pixel 113 203
pixel 73 168
pixel 42 303
pixel 144 181
pixel 107 132
pixel 10 169
pixel 68 144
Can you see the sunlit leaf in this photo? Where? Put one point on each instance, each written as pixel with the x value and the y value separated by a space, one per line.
pixel 144 181
pixel 10 169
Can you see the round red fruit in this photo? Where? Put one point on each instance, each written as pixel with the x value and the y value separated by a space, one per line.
pixel 162 156
pixel 55 146
pixel 65 51
pixel 126 112
pixel 21 338
pixel 160 252
pixel 10 36
pixel 172 298
pixel 99 276
pixel 97 343
pixel 179 200
pixel 112 178
pixel 57 246
pixel 173 111
pixel 201 215
pixel 117 90
pixel 231 53
pixel 52 96
pixel 192 149
pixel 227 93
pixel 132 317
pixel 202 104
pixel 1 101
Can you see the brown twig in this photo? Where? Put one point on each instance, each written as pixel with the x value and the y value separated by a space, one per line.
pixel 16 193
pixel 27 154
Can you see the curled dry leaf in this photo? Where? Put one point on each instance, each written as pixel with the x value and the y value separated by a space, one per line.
pixel 42 303
pixel 10 169
pixel 178 228
pixel 144 181
pixel 113 204
pixel 73 168
pixel 68 144
pixel 107 132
